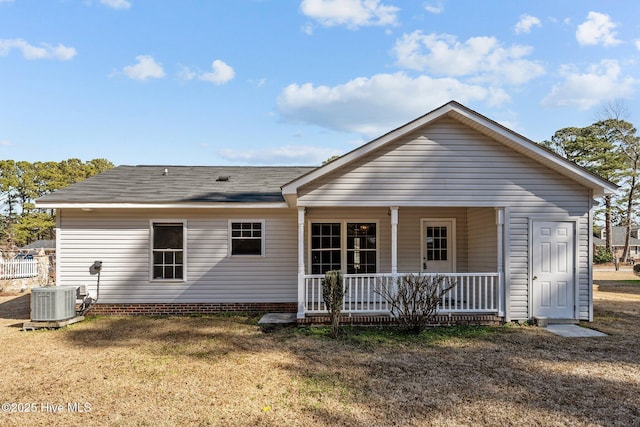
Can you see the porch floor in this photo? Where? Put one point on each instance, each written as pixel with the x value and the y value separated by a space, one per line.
pixel 475 319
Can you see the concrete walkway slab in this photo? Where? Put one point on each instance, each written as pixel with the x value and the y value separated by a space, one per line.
pixel 574 331
pixel 278 319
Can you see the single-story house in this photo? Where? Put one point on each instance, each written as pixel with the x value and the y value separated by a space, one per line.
pixel 618 237
pixel 451 193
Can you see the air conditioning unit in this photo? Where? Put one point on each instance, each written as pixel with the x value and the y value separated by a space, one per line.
pixel 53 303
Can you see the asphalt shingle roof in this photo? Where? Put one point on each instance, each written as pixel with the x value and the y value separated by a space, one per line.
pixel 149 184
pixel 618 235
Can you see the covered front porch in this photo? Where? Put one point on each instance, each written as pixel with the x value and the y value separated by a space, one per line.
pixel 375 247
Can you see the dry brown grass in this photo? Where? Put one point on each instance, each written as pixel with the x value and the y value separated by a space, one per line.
pixel 225 371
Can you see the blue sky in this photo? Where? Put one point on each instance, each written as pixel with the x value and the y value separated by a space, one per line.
pixel 284 82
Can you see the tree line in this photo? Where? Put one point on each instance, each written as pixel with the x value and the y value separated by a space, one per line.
pixel 610 148
pixel 22 182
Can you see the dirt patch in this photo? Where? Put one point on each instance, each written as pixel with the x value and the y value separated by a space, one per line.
pixel 224 371
pixel 15 306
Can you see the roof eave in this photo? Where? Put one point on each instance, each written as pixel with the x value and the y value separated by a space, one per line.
pixel 161 205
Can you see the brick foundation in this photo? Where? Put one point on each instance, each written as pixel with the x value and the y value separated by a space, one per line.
pixel 179 309
pixel 383 319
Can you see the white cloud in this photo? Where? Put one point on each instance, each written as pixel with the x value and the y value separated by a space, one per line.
pixel 259 83
pixel 597 29
pixel 44 51
pixel 6 1
pixel 599 83
pixel 434 7
pixel 525 24
pixel 307 29
pixel 146 68
pixel 637 43
pixel 483 59
pixel 351 13
pixel 285 155
pixel 221 74
pixel 185 73
pixel 370 106
pixel 4 142
pixel 116 4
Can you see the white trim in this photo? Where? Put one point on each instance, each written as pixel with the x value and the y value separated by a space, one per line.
pixel 58 246
pixel 216 205
pixel 443 203
pixel 301 266
pixel 184 249
pixel 452 249
pixel 590 257
pixel 393 210
pixel 343 239
pixel 507 263
pixel 500 225
pixel 262 237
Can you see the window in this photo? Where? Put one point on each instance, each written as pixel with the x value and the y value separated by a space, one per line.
pixel 436 244
pixel 168 250
pixel 350 247
pixel 325 247
pixel 247 237
pixel 361 248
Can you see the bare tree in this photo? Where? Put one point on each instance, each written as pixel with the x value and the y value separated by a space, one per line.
pixel 414 301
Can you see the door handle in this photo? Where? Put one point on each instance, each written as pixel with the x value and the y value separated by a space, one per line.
pixel 534 278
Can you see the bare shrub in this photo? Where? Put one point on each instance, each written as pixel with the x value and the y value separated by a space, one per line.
pixel 415 298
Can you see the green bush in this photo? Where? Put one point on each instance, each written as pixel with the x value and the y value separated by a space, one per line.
pixel 602 256
pixel 333 295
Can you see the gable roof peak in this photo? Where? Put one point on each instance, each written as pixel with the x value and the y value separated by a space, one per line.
pixel 477 122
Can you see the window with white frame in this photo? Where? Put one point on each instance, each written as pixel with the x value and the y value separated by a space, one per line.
pixel 361 248
pixel 326 247
pixel 347 246
pixel 246 237
pixel 168 252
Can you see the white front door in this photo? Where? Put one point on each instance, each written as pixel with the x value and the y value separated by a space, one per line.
pixel 438 245
pixel 552 272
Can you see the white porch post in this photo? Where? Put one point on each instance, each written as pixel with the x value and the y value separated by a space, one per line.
pixel 394 240
pixel 501 284
pixel 394 248
pixel 301 269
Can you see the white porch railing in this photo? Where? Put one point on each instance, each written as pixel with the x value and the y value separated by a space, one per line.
pixel 472 293
pixel 18 269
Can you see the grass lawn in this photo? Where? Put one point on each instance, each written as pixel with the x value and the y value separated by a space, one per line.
pixel 224 371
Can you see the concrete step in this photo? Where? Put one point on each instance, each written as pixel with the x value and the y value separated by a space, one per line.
pixel 543 322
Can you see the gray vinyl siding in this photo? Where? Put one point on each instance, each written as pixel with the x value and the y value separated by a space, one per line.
pixel 447 164
pixel 483 240
pixel 120 238
pixel 443 164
